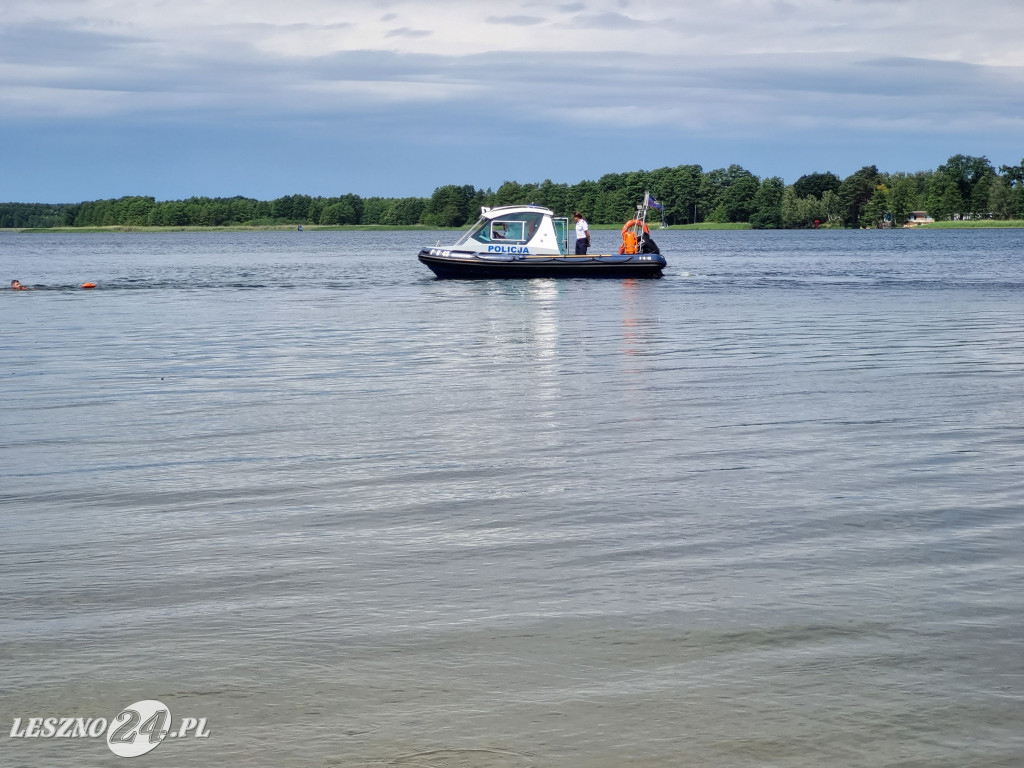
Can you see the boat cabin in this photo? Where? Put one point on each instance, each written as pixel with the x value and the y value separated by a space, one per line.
pixel 517 229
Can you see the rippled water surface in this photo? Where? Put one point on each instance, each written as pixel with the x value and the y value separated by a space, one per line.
pixel 765 511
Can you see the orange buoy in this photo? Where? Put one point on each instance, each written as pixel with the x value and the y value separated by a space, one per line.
pixel 88 285
pixel 635 223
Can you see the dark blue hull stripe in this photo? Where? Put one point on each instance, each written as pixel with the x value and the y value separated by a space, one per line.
pixel 501 266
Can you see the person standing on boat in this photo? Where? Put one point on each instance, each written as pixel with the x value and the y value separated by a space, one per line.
pixel 582 234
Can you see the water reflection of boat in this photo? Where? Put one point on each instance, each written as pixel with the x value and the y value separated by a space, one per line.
pixel 530 241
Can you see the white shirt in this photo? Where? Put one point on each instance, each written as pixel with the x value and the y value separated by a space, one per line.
pixel 581 229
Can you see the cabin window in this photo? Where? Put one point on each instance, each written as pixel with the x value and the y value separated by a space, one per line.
pixel 512 228
pixel 508 230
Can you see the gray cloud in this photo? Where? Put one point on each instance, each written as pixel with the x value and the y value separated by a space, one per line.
pixel 607 21
pixel 678 93
pixel 60 44
pixel 406 32
pixel 743 93
pixel 518 21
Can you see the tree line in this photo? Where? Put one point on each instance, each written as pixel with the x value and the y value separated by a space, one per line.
pixel 962 187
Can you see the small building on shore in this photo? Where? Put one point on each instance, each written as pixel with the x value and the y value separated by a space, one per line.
pixel 917 218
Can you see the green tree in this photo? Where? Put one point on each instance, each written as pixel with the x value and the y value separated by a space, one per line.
pixel 1000 198
pixel 583 197
pixel 877 208
pixel 1013 177
pixel 816 184
pixel 241 210
pixel 739 198
pixel 405 211
pixel 291 208
pixel 803 212
pixel 555 197
pixel 713 185
pixel 678 189
pixel 967 173
pixel 341 212
pixel 792 217
pixel 729 193
pixel 450 206
pixel 136 210
pixel 855 192
pixel 903 200
pixel 944 200
pixel 767 204
pixel 174 214
pixel 18 215
pixel 373 210
pixel 832 207
pixel 980 194
pixel 509 193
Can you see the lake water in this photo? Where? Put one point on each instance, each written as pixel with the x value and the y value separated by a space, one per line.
pixel 765 511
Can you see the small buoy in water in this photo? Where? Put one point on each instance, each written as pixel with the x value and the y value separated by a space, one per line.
pixel 88 285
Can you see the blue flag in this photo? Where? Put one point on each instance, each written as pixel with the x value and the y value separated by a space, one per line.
pixel 649 200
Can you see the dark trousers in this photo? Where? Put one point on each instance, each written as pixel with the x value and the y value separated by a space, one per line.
pixel 581 247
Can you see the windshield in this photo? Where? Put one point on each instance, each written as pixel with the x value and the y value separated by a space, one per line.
pixel 509 228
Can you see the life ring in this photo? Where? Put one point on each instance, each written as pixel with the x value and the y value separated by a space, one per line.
pixel 633 223
pixel 88 285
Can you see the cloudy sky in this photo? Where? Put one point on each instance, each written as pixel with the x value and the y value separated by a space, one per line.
pixel 173 98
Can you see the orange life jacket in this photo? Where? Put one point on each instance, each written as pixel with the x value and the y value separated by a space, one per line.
pixel 629 242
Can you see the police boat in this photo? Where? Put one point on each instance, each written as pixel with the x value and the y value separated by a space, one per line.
pixel 530 241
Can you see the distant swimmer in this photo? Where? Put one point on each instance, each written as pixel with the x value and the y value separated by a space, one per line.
pixel 17 286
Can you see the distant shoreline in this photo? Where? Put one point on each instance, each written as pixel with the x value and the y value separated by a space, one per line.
pixel 976 224
pixel 235 228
